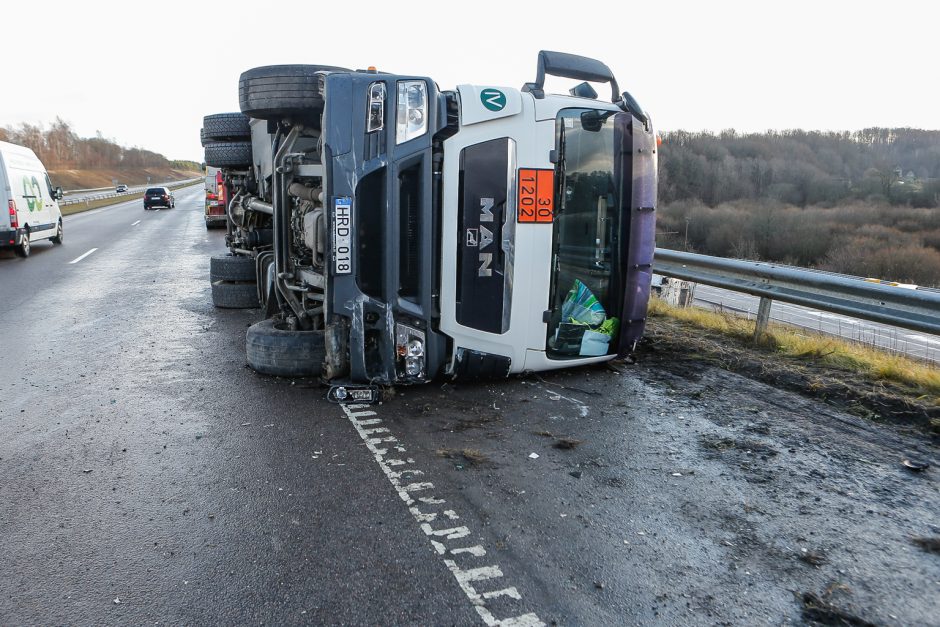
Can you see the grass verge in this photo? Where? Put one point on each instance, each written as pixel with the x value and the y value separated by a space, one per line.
pixel 79 207
pixel 874 382
pixel 878 365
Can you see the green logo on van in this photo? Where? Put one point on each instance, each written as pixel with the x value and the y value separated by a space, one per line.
pixel 34 199
pixel 493 99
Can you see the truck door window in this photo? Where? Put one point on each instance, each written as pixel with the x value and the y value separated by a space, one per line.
pixel 587 230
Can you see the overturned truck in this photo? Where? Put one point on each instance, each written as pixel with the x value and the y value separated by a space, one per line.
pixel 392 232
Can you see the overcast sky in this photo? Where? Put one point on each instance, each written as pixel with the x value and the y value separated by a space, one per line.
pixel 146 76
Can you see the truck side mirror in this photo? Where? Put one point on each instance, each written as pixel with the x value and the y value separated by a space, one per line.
pixel 591 121
pixel 58 193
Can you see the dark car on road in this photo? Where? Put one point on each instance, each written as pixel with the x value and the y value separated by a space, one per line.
pixel 158 197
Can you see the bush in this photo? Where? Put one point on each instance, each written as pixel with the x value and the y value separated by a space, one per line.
pixel 894 243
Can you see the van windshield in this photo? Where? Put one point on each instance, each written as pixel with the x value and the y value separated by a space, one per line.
pixel 587 231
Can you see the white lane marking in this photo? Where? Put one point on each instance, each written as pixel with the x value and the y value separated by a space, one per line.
pixel 77 259
pixel 367 426
pixel 582 407
pixel 136 223
pixel 526 620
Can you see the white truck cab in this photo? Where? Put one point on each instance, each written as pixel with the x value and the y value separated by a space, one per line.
pixel 28 208
pixel 520 266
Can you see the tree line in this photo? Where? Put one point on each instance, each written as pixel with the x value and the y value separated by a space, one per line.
pixel 862 203
pixel 900 166
pixel 59 147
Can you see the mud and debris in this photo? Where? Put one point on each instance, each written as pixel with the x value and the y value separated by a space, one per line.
pixel 470 456
pixel 821 610
pixel 929 544
pixel 725 496
pixel 693 348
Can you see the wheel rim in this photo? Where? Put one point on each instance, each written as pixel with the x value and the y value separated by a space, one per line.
pixel 25 244
pixel 58 233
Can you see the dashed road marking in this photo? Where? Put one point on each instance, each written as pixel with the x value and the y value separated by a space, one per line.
pixel 429 509
pixel 77 259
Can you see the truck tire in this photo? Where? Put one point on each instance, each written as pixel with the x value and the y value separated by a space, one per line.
pixel 202 137
pixel 234 295
pixel 275 92
pixel 231 268
pixel 225 127
pixel 228 154
pixel 273 349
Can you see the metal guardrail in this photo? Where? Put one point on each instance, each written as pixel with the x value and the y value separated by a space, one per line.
pixel 918 310
pixel 88 199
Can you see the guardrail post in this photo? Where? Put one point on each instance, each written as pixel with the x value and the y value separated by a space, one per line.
pixel 763 317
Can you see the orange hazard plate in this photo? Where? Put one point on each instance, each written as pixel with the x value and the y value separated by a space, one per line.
pixel 536 195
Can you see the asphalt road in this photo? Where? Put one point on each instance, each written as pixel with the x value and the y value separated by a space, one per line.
pixel 148 476
pixel 918 345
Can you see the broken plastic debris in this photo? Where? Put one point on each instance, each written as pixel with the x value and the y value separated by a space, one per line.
pixel 117 600
pixel 533 455
pixel 915 465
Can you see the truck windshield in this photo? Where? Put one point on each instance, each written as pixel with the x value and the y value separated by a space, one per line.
pixel 587 229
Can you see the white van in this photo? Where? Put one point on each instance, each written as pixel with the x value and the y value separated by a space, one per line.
pixel 28 208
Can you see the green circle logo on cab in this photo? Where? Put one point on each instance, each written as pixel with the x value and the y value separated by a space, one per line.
pixel 493 99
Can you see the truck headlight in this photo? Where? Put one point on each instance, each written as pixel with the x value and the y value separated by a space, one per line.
pixel 409 346
pixel 412 113
pixel 375 120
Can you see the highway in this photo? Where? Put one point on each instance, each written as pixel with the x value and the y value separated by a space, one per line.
pixel 917 345
pixel 150 477
pixel 72 196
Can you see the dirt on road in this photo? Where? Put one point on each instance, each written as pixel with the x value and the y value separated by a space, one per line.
pixel 674 491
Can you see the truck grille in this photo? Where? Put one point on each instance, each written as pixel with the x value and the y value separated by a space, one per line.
pixel 409 209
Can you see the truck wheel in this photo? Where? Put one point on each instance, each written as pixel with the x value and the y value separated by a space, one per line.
pixel 22 250
pixel 231 268
pixel 273 349
pixel 225 127
pixel 274 92
pixel 234 295
pixel 228 154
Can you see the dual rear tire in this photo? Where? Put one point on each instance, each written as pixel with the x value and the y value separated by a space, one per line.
pixel 233 282
pixel 226 139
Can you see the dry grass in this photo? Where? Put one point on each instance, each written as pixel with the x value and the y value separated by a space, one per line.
pixel 877 365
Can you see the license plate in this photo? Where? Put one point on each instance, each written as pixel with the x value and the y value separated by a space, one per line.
pixel 536 195
pixel 352 394
pixel 342 236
